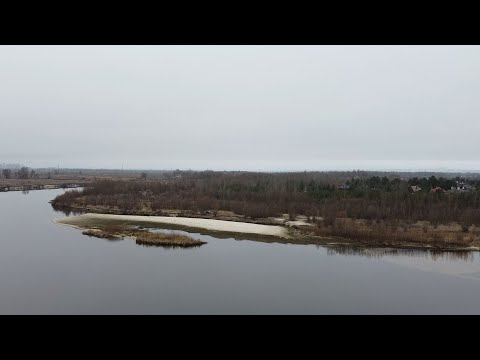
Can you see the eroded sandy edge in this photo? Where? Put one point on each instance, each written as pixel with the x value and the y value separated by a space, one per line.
pixel 207 224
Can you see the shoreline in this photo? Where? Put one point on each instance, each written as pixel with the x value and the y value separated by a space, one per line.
pixel 244 231
pixel 211 226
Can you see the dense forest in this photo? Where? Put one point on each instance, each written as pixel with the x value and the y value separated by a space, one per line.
pixel 315 195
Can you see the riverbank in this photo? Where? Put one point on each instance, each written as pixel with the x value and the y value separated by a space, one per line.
pixel 294 232
pixel 33 185
pixel 181 223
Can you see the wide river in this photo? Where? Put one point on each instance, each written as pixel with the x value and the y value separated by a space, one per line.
pixel 52 269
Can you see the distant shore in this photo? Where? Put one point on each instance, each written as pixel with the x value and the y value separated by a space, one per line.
pixel 33 185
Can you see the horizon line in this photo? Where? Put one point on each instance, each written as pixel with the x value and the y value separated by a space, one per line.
pixel 391 170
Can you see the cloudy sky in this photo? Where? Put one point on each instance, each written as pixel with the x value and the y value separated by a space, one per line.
pixel 241 107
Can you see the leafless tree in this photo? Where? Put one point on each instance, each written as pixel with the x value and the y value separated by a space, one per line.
pixel 23 173
pixel 7 173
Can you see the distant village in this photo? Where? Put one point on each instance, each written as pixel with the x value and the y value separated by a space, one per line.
pixel 460 187
pixel 415 185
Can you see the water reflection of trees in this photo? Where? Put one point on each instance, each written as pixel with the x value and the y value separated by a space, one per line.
pixel 413 253
pixel 67 212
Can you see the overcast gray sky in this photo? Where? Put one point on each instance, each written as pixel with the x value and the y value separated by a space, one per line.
pixel 241 107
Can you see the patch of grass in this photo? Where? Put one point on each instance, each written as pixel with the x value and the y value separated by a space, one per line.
pixel 161 239
pixel 101 234
pixel 111 231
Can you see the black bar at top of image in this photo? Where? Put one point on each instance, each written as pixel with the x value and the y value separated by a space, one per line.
pixel 311 29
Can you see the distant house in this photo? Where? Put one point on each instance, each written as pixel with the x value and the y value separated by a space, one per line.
pixel 462 187
pixel 437 190
pixel 415 188
pixel 343 187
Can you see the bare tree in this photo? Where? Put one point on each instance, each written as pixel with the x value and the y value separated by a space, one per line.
pixel 7 173
pixel 23 173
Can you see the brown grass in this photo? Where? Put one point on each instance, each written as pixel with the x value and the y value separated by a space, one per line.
pixel 101 234
pixel 384 233
pixel 142 237
pixel 171 240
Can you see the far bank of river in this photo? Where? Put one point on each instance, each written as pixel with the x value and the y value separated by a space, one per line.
pixel 33 187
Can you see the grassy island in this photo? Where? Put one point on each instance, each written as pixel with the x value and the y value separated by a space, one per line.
pixel 141 236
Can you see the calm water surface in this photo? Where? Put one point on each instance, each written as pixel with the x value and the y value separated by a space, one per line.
pixel 51 269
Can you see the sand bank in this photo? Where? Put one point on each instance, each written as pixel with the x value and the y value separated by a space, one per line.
pixel 207 224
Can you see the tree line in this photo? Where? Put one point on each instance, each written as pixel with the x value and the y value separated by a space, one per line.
pixel 22 173
pixel 315 195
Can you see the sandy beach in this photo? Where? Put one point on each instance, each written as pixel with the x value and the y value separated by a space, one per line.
pixel 207 224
